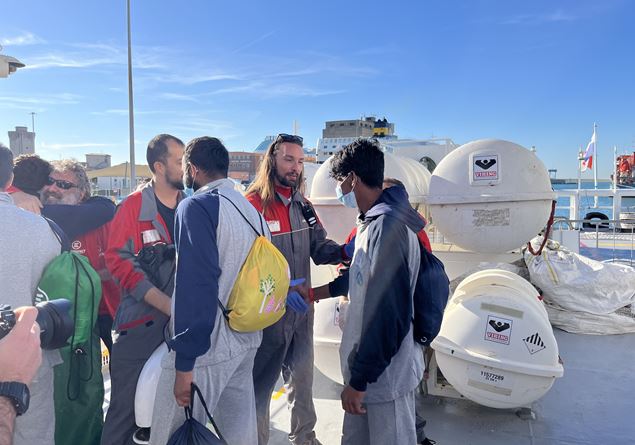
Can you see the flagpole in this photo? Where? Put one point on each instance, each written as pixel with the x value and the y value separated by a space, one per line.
pixel 595 163
pixel 580 154
pixel 614 168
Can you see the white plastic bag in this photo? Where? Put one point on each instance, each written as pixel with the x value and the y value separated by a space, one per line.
pixel 577 283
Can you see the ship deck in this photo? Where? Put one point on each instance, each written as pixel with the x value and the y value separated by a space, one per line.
pixel 593 403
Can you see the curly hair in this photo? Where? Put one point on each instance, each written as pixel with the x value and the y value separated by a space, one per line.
pixel 71 165
pixel 363 157
pixel 30 173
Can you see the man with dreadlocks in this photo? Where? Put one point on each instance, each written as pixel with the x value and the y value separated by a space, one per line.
pixel 287 345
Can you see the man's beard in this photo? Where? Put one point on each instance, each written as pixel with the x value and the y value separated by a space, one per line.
pixel 59 198
pixel 287 182
pixel 177 184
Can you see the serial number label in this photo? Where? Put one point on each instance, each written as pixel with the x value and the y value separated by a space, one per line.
pixel 491 217
pixel 491 377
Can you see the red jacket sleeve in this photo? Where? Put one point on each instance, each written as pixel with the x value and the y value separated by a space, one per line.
pixel 123 245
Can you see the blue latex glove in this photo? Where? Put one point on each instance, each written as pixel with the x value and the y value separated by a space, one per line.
pixel 349 248
pixel 297 282
pixel 295 302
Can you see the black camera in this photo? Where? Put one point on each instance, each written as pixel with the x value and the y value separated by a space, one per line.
pixel 158 261
pixel 53 317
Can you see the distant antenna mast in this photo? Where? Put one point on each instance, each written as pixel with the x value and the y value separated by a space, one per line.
pixel 295 127
pixel 33 113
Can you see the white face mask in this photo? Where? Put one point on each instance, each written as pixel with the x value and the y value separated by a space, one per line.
pixel 189 190
pixel 348 199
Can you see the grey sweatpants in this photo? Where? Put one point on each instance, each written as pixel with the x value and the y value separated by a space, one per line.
pixel 387 423
pixel 129 354
pixel 37 425
pixel 287 346
pixel 229 394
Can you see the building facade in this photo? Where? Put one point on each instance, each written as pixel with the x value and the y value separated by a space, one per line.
pixel 96 161
pixel 21 141
pixel 337 134
pixel 243 165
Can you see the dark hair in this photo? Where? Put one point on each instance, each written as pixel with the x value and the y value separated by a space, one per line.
pixel 158 149
pixel 364 158
pixel 6 165
pixel 393 181
pixel 31 173
pixel 208 154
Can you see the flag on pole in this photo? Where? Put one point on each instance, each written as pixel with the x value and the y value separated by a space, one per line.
pixel 589 154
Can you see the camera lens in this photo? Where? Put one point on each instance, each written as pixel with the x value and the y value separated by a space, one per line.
pixel 56 324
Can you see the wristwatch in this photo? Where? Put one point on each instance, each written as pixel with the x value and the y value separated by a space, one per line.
pixel 18 393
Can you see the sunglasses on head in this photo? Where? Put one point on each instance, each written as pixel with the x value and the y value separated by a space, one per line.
pixel 64 185
pixel 294 139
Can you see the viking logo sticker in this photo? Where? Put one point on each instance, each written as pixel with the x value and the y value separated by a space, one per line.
pixel 534 343
pixel 498 330
pixel 499 326
pixel 485 168
pixel 485 164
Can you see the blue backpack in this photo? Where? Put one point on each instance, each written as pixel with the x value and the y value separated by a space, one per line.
pixel 430 297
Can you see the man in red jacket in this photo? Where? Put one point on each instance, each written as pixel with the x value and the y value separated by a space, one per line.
pixel 145 224
pixel 68 184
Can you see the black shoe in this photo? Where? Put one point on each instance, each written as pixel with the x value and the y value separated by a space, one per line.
pixel 427 441
pixel 141 436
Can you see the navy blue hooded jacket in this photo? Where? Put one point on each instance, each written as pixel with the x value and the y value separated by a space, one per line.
pixel 387 305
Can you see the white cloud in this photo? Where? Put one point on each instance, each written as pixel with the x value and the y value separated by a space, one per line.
pixel 538 19
pixel 124 112
pixel 180 97
pixel 26 38
pixel 298 91
pixel 191 76
pixel 44 99
pixel 201 125
pixel 253 42
pixel 86 55
pixel 267 90
pixel 60 60
pixel 46 146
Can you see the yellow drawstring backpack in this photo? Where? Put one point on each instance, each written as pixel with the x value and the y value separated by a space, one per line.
pixel 258 298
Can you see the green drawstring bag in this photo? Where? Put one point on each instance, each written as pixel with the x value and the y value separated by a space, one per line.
pixel 79 389
pixel 70 275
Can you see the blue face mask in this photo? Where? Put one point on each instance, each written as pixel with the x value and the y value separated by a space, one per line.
pixel 347 199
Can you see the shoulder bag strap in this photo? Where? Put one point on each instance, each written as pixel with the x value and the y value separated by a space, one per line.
pixel 195 389
pixel 261 233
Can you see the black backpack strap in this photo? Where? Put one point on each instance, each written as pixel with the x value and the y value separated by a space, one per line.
pixel 76 351
pixel 59 234
pixel 261 233
pixel 262 229
pixel 195 390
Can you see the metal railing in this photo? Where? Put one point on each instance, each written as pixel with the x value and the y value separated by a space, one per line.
pixel 607 240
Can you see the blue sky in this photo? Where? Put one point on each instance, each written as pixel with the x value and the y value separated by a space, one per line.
pixel 536 73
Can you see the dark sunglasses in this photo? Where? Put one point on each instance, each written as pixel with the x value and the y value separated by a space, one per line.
pixel 64 185
pixel 294 139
